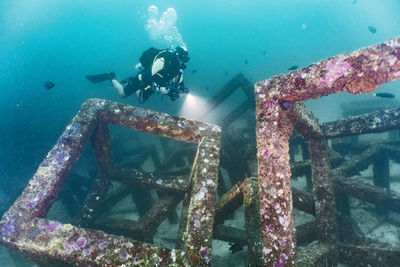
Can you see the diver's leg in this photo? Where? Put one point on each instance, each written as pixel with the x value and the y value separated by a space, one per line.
pixel 144 93
pixel 127 87
pixel 118 86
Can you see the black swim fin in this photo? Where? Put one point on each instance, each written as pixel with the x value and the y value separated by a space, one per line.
pixel 101 77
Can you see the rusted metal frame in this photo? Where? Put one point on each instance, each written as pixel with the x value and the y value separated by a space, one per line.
pixel 93 204
pixel 316 255
pixel 376 195
pixel 381 176
pixel 277 220
pixel 360 72
pixel 134 177
pixel 363 160
pixel 152 219
pixel 368 192
pixel 43 239
pixel 237 112
pixel 306 233
pixel 252 219
pixel 303 201
pixel 368 255
pixel 350 232
pixel 358 162
pixel 145 228
pixel 238 81
pixel 43 188
pixel 197 227
pixel 183 221
pixel 176 172
pixel 375 122
pixel 142 197
pixel 325 204
pixel 228 203
pixel 230 234
pixel 115 196
pixel 124 227
pixel 198 231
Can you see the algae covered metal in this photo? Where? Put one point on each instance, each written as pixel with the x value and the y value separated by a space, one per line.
pixel 24 229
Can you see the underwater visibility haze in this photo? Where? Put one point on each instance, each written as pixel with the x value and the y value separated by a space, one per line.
pixel 48 48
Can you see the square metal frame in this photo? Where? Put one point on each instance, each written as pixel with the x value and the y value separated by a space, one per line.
pixel 359 72
pixel 24 229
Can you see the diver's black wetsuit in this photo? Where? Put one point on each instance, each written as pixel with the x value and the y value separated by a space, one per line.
pixel 169 76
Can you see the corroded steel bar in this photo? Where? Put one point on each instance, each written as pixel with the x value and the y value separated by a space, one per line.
pixel 177 128
pixel 236 113
pixel 316 255
pixel 43 188
pixel 350 232
pixel 381 176
pixel 277 220
pixel 360 72
pixel 251 203
pixel 124 227
pixel 306 233
pixel 303 201
pixel 135 177
pixel 359 162
pixel 115 196
pixel 325 205
pixel 368 256
pixel 102 151
pixel 88 247
pixel 230 234
pixel 93 204
pixel 375 122
pixel 152 219
pixel 223 94
pixel 368 192
pixel 46 240
pixel 198 231
pixel 102 148
pixel 228 203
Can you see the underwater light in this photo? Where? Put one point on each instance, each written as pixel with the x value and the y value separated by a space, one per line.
pixel 193 106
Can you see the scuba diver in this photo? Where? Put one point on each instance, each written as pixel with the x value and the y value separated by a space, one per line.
pixel 159 71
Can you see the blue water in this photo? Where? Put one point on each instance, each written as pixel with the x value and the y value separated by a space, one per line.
pixel 62 41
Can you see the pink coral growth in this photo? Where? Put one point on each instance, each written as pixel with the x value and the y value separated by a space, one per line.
pixel 265 154
pixel 336 68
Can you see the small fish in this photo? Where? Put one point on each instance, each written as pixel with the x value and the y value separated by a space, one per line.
pixel 354 2
pixel 206 88
pixel 246 62
pixel 48 85
pixel 225 73
pixel 264 53
pixel 294 67
pixel 194 71
pixel 384 95
pixel 234 247
pixel 372 29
